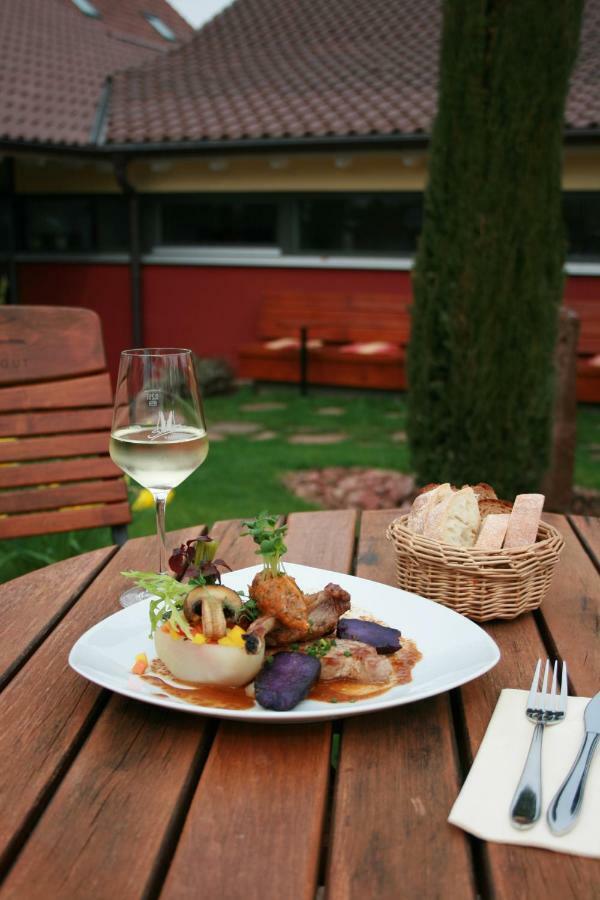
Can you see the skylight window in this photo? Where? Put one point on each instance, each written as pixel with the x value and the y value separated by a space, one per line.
pixel 88 8
pixel 159 26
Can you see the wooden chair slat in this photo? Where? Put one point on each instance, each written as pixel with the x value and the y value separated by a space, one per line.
pixel 57 470
pixel 111 490
pixel 47 600
pixel 282 771
pixel 23 449
pixel 405 791
pixel 72 518
pixel 45 709
pixel 44 342
pixel 574 624
pixel 72 393
pixel 55 422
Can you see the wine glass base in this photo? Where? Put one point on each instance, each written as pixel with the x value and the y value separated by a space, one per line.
pixel 134 595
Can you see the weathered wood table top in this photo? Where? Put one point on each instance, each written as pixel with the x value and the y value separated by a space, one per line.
pixel 105 797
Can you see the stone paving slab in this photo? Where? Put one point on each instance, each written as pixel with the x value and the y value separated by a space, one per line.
pixel 317 438
pixel 235 427
pixel 262 407
pixel 263 436
pixel 331 411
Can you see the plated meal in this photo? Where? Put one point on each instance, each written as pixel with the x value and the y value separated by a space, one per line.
pixel 274 645
pixel 266 645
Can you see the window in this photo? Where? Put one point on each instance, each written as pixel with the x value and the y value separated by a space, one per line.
pixel 231 221
pixel 72 224
pixel 158 25
pixel 88 8
pixel 360 224
pixel 581 211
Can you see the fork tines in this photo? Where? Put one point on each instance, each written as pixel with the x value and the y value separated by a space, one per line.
pixel 548 705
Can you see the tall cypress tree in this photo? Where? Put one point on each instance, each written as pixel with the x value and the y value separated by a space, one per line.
pixel 488 278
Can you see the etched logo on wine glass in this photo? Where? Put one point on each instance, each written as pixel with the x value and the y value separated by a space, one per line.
pixel 164 425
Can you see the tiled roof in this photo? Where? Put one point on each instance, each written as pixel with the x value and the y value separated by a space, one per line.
pixel 307 68
pixel 54 61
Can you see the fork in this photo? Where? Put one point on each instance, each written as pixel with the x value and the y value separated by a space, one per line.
pixel 543 708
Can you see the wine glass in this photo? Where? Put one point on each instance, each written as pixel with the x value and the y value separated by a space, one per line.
pixel 158 434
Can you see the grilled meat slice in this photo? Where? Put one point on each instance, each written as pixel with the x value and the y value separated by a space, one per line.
pixel 280 596
pixel 323 611
pixel 359 662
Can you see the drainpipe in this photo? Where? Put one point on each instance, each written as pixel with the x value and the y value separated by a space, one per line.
pixel 135 264
pixel 13 285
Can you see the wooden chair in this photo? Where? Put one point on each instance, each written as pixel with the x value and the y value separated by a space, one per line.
pixel 55 417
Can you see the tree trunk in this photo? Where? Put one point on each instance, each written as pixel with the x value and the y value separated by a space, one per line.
pixel 488 278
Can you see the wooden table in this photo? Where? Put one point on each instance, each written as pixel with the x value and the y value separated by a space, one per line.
pixel 106 797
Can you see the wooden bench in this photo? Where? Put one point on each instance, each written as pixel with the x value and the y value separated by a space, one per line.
pixel 361 340
pixel 291 322
pixel 588 348
pixel 55 417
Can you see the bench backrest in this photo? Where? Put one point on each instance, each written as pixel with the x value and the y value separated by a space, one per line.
pixel 336 317
pixel 588 310
pixel 55 417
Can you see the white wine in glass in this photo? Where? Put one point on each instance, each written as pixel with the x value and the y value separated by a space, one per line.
pixel 158 434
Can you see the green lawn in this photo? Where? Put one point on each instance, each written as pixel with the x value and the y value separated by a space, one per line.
pixel 242 476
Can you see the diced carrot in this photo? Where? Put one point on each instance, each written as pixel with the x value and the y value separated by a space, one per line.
pixel 140 665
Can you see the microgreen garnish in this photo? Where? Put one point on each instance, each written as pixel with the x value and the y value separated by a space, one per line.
pixel 320 647
pixel 268 536
pixel 167 604
pixel 249 612
pixel 196 560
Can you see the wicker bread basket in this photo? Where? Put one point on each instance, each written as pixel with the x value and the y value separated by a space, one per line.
pixel 480 584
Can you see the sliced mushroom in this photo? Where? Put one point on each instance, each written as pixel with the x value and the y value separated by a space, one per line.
pixel 192 606
pixel 214 625
pixel 228 598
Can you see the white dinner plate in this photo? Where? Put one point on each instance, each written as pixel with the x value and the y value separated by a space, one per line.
pixel 454 649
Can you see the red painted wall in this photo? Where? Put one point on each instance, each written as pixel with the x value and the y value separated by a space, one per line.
pixel 213 310
pixel 103 288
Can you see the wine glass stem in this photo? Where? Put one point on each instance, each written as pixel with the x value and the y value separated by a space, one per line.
pixel 160 501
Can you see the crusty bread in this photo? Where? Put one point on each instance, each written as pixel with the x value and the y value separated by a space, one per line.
pixel 483 491
pixel 497 507
pixel 455 520
pixel 492 532
pixel 524 520
pixel 424 503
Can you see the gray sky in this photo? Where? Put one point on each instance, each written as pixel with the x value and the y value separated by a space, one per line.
pixel 197 12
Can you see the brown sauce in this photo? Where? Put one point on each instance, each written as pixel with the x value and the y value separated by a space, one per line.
pixel 340 690
pixel 212 695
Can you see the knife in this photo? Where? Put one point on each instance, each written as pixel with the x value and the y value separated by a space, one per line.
pixel 565 806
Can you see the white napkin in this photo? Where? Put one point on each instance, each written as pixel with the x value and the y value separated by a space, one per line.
pixel 482 807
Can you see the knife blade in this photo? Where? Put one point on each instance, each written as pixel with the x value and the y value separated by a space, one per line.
pixel 566 803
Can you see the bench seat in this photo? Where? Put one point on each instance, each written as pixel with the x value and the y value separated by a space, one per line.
pixel 327 365
pixel 336 320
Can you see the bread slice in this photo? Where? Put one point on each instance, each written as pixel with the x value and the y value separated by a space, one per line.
pixel 483 491
pixel 524 520
pixel 424 503
pixel 491 506
pixel 455 520
pixel 492 532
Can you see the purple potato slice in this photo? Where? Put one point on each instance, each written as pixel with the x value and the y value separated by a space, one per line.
pixel 284 682
pixel 381 637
